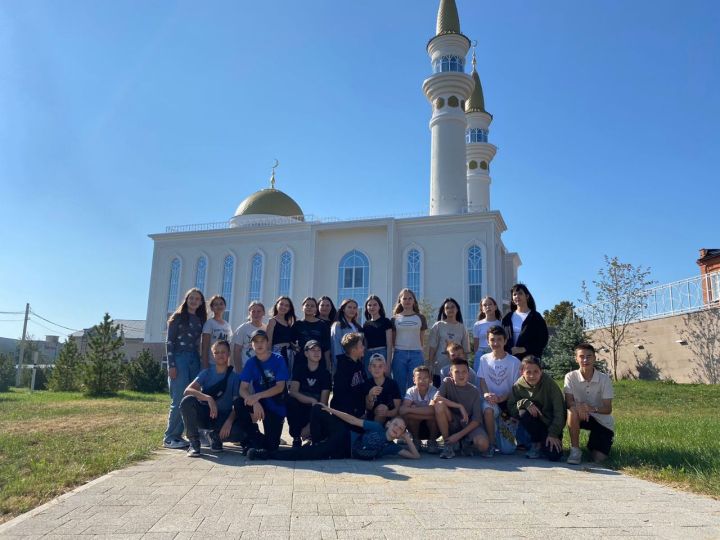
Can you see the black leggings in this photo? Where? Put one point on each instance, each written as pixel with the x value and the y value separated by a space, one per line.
pixel 272 427
pixel 538 432
pixel 330 435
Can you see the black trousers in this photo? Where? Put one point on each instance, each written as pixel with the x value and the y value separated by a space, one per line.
pixel 196 415
pixel 330 435
pixel 272 427
pixel 538 432
pixel 298 416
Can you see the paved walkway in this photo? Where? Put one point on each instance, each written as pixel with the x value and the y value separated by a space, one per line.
pixel 226 496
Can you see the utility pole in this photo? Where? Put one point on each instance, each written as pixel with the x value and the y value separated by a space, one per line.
pixel 22 347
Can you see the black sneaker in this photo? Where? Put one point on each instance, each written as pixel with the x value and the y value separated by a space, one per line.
pixel 216 444
pixel 297 442
pixel 257 454
pixel 194 449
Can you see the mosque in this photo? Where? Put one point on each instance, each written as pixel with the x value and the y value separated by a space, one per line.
pixel 270 248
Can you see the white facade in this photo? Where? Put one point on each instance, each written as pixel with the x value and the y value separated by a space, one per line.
pixel 269 248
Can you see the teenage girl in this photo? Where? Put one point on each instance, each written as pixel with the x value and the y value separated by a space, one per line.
pixel 242 348
pixel 214 329
pixel 377 330
pixel 449 328
pixel 312 328
pixel 182 347
pixel 279 329
pixel 489 316
pixel 326 310
pixel 345 323
pixel 525 327
pixel 409 327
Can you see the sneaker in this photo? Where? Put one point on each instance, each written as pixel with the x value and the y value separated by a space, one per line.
pixel 533 453
pixel 490 452
pixel 194 449
pixel 297 442
pixel 254 454
pixel 448 452
pixel 575 457
pixel 433 447
pixel 176 443
pixel 204 437
pixel 216 444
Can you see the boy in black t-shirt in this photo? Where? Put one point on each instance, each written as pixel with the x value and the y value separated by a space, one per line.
pixel 350 377
pixel 382 395
pixel 310 384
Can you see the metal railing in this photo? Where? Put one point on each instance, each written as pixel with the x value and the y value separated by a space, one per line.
pixel 676 298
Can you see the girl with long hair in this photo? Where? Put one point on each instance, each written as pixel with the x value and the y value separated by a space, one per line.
pixel 214 329
pixel 326 310
pixel 279 329
pixel 526 329
pixel 310 328
pixel 378 331
pixel 346 322
pixel 449 328
pixel 242 347
pixel 489 316
pixel 409 327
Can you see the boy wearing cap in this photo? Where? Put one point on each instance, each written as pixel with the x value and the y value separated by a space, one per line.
pixel 310 384
pixel 382 395
pixel 267 372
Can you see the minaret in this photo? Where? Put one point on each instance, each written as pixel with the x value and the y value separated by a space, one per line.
pixel 479 151
pixel 446 90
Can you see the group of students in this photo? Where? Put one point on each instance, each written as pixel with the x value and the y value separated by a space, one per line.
pixel 386 399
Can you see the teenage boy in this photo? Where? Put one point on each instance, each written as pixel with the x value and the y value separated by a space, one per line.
pixel 458 412
pixel 208 403
pixel 455 351
pixel 382 395
pixel 539 405
pixel 268 375
pixel 417 411
pixel 338 435
pixel 350 377
pixel 310 384
pixel 589 394
pixel 497 372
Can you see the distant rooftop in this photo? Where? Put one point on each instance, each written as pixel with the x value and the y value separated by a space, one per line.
pixel 131 329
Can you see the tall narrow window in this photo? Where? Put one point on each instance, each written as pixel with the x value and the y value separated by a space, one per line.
pixel 285 273
pixel 174 286
pixel 256 268
pixel 413 271
pixel 353 277
pixel 474 281
pixel 200 271
pixel 227 284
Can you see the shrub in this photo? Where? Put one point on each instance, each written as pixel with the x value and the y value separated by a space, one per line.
pixel 102 370
pixel 145 374
pixel 7 372
pixel 67 372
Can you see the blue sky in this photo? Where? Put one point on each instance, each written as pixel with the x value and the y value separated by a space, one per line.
pixel 120 118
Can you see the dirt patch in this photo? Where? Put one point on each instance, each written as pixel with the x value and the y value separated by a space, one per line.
pixel 73 424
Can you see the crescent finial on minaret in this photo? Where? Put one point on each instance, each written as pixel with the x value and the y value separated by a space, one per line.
pixel 272 176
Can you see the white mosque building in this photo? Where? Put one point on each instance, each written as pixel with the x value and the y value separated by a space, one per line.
pixel 269 248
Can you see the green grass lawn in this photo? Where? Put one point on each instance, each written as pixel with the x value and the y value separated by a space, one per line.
pixel 51 442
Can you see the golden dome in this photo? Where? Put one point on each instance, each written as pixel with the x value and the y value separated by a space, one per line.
pixel 269 202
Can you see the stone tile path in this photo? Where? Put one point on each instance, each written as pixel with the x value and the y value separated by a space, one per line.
pixel 226 496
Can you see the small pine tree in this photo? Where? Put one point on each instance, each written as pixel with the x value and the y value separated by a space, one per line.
pixel 102 369
pixel 7 372
pixel 559 357
pixel 67 372
pixel 145 374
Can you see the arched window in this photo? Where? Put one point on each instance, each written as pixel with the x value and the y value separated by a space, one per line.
pixel 449 63
pixel 474 281
pixel 200 271
pixel 476 135
pixel 256 269
pixel 227 284
pixel 286 262
pixel 413 271
pixel 174 286
pixel 353 277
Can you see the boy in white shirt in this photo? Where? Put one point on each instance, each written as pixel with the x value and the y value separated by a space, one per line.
pixel 589 394
pixel 497 371
pixel 417 409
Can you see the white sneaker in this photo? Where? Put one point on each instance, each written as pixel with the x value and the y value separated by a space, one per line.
pixel 575 457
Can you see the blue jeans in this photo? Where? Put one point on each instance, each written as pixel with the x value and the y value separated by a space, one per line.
pixel 369 353
pixel 188 366
pixel 402 367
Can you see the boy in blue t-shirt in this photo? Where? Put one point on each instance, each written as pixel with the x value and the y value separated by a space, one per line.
pixel 208 403
pixel 268 374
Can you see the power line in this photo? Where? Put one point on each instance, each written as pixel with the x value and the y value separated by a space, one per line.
pixel 54 323
pixel 11 312
pixel 47 327
pixel 11 320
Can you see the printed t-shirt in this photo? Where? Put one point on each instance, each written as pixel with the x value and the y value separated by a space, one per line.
pixel 443 333
pixel 407 331
pixel 265 375
pixel 499 375
pixel 217 331
pixel 209 377
pixel 312 383
pixel 242 337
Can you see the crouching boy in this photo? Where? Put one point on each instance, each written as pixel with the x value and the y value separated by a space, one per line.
pixel 382 395
pixel 208 403
pixel 538 402
pixel 417 411
pixel 458 412
pixel 310 384
pixel 589 395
